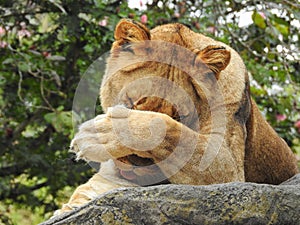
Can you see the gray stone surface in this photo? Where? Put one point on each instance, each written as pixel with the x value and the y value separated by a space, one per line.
pixel 232 203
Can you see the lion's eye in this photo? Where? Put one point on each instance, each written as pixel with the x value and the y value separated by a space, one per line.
pixel 182 117
pixel 177 118
pixel 127 48
pixel 131 104
pixel 209 75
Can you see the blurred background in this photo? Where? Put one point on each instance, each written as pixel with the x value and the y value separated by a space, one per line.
pixel 46 47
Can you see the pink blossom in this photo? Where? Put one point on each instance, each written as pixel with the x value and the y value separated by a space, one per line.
pixel 176 15
pixel 3 44
pixel 46 54
pixel 24 33
pixel 23 25
pixel 144 19
pixel 2 31
pixel 280 117
pixel 297 124
pixel 103 23
pixel 211 29
pixel 263 15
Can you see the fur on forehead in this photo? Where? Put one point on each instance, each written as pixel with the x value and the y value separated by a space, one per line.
pixel 128 32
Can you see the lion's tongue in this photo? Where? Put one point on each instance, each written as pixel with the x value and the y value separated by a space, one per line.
pixel 129 175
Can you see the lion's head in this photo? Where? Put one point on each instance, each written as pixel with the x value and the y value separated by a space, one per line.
pixel 163 70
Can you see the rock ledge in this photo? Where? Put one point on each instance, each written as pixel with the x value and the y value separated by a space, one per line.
pixel 232 203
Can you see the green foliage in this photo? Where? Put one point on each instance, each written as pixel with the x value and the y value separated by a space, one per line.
pixel 259 20
pixel 46 46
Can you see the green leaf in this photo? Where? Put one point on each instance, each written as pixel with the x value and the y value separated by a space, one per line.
pixel 271 56
pixel 23 66
pixel 89 48
pixel 49 117
pixel 60 120
pixel 8 61
pixel 46 23
pixel 33 130
pixel 259 20
pixel 283 29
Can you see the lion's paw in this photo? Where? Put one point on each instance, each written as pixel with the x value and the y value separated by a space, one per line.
pixel 119 133
pixel 96 140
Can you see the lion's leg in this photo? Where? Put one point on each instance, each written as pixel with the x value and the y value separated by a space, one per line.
pixel 103 181
pixel 183 155
pixel 198 158
pixel 186 156
pixel 86 192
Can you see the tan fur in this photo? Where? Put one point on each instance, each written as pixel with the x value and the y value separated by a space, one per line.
pixel 186 145
pixel 268 159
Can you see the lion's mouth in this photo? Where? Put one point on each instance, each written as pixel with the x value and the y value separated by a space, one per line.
pixel 142 171
pixel 128 175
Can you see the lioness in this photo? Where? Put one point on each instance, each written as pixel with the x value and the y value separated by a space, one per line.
pixel 178 110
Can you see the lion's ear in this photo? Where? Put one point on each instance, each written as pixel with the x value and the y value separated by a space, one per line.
pixel 216 58
pixel 131 31
pixel 131 41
